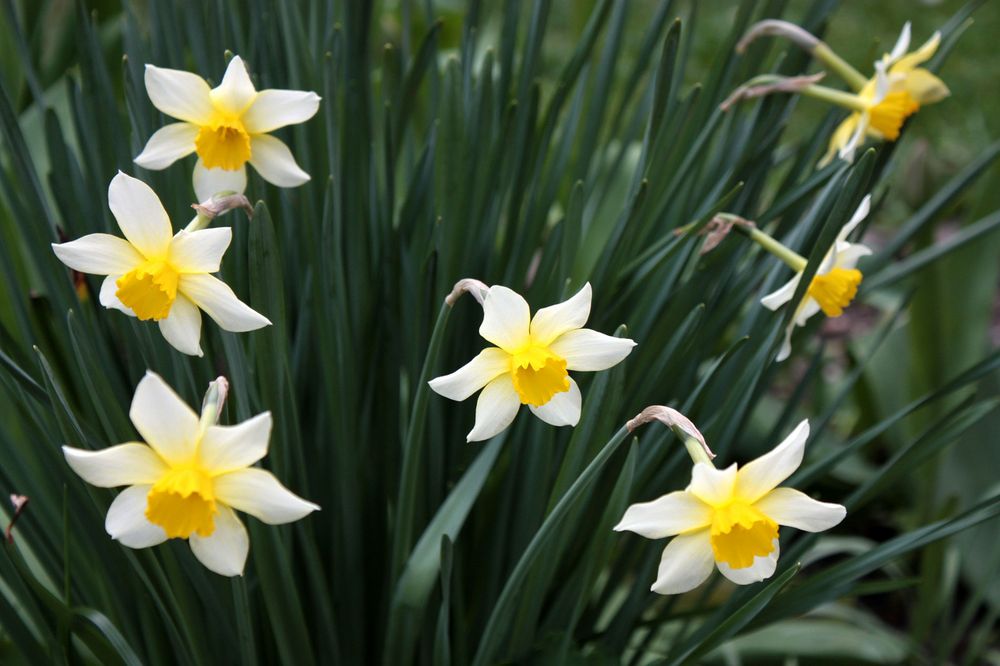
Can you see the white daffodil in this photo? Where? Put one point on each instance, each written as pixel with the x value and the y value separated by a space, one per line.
pixel 227 126
pixel 156 274
pixel 531 361
pixel 832 288
pixel 729 519
pixel 188 479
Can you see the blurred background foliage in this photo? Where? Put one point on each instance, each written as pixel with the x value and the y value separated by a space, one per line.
pixel 940 604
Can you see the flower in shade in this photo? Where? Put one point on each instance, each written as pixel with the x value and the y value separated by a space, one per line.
pixel 189 479
pixel 156 274
pixel 531 361
pixel 729 519
pixel 227 126
pixel 897 90
pixel 832 288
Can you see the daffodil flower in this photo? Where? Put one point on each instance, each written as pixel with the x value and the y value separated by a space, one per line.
pixel 879 105
pixel 189 478
pixel 832 288
pixel 729 519
pixel 154 274
pixel 227 126
pixel 897 90
pixel 531 361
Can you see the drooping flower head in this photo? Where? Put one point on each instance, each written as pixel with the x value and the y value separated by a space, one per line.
pixel 154 274
pixel 531 361
pixel 832 288
pixel 878 105
pixel 227 126
pixel 189 478
pixel 730 518
pixel 897 90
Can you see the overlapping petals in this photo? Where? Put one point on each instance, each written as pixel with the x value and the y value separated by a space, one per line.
pixel 227 126
pixel 155 274
pixel 838 269
pixel 530 362
pixel 188 467
pixel 728 519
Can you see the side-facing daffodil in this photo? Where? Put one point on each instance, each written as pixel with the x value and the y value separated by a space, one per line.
pixel 227 126
pixel 189 478
pixel 897 90
pixel 878 105
pixel 531 361
pixel 729 519
pixel 156 274
pixel 832 288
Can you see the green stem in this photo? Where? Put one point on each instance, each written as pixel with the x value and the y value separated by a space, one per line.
pixel 694 448
pixel 198 223
pixel 412 448
pixel 840 67
pixel 838 97
pixel 794 260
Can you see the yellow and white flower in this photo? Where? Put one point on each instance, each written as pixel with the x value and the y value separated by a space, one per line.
pixel 832 288
pixel 729 519
pixel 156 274
pixel 897 90
pixel 531 361
pixel 227 126
pixel 188 479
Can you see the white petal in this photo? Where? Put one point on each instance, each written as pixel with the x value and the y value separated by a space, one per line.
pixel 760 476
pixel 108 296
pixel 225 551
pixel 167 145
pixel 712 486
pixel 782 295
pixel 182 327
pixel 227 448
pixel 786 343
pixel 787 506
pixel 274 162
pixel 126 520
pixel 685 564
pixel 220 303
pixel 495 410
pixel 200 251
pixel 272 109
pixel 859 215
pixel 562 409
pixel 140 215
pixel 763 567
pixel 474 375
pixel 182 95
pixel 122 465
pixel 236 92
pixel 506 318
pixel 588 351
pixel 259 493
pixel 671 514
pixel 98 254
pixel 164 420
pixel 847 151
pixel 849 254
pixel 902 44
pixel 551 322
pixel 209 182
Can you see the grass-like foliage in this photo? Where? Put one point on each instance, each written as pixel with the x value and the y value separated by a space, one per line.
pixel 457 142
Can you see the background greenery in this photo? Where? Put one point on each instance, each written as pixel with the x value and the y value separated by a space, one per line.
pixel 537 145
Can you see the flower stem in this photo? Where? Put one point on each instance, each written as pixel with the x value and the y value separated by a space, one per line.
pixel 839 66
pixel 694 448
pixel 833 96
pixel 794 260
